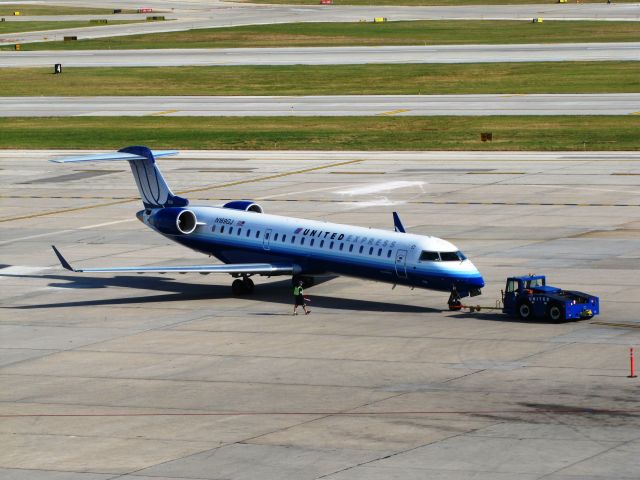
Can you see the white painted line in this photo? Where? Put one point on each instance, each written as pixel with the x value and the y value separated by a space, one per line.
pixel 60 232
pixel 382 187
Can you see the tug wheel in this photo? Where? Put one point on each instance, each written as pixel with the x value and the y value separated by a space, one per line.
pixel 555 313
pixel 525 312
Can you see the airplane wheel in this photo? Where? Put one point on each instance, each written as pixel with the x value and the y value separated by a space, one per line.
pixel 555 313
pixel 238 287
pixel 525 312
pixel 248 285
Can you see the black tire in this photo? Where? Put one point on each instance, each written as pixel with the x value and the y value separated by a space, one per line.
pixel 525 311
pixel 555 313
pixel 238 287
pixel 248 285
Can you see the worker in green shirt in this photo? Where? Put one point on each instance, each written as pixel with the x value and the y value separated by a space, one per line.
pixel 298 294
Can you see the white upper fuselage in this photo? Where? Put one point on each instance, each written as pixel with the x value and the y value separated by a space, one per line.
pixel 237 236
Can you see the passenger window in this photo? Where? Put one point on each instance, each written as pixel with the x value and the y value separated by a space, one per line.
pixel 321 243
pixel 351 248
pixel 293 239
pixel 275 237
pixel 222 229
pixel 213 229
pixel 284 238
pixel 370 250
pixel 313 240
pixel 361 248
pixel 379 251
pixel 302 241
pixel 389 254
pixel 331 246
pixel 341 246
pixel 258 234
pixel 239 231
pixel 248 232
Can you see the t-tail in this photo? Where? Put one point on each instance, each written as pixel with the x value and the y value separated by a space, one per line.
pixel 154 191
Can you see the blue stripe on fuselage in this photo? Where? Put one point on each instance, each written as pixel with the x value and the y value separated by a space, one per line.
pixel 313 260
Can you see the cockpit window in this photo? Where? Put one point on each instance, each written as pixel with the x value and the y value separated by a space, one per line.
pixel 536 282
pixel 426 256
pixel 452 256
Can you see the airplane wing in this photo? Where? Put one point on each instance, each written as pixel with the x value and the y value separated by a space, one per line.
pixel 268 269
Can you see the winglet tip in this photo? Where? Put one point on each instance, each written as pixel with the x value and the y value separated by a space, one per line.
pixel 61 259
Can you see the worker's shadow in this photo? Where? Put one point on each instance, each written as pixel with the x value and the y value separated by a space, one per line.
pixel 175 291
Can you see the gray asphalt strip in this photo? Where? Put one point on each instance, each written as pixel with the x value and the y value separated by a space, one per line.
pixel 628 51
pixel 350 105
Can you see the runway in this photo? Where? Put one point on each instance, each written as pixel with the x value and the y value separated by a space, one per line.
pixel 336 105
pixel 212 15
pixel 149 376
pixel 629 51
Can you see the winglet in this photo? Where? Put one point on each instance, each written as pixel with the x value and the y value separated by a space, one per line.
pixel 397 223
pixel 62 260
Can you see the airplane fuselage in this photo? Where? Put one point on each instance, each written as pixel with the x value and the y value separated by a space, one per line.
pixel 316 248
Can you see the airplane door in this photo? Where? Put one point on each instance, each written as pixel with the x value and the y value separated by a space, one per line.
pixel 265 241
pixel 401 263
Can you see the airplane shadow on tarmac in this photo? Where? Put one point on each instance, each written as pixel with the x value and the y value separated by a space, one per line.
pixel 177 291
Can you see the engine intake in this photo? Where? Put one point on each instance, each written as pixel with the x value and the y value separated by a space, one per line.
pixel 174 221
pixel 244 205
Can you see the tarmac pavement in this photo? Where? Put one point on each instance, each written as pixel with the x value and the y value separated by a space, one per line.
pixel 148 376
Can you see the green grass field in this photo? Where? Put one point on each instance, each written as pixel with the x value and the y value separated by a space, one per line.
pixel 18 27
pixel 7 9
pixel 367 33
pixel 326 133
pixel 412 79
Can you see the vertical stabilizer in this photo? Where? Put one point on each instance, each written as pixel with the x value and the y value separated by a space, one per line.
pixel 154 191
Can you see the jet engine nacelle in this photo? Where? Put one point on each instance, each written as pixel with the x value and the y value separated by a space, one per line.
pixel 174 221
pixel 244 205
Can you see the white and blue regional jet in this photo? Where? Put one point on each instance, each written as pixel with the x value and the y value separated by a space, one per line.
pixel 250 242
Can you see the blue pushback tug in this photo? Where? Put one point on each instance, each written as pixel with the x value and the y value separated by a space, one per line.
pixel 530 297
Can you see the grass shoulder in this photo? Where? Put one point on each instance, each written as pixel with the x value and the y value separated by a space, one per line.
pixel 8 9
pixel 406 79
pixel 427 32
pixel 524 133
pixel 37 26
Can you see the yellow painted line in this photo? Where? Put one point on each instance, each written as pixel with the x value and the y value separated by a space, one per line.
pixel 495 173
pixel 359 173
pixel 395 112
pixel 165 112
pixel 201 189
pixel 270 177
pixel 635 113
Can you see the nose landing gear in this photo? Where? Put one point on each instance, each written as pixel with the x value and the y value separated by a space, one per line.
pixel 455 301
pixel 242 286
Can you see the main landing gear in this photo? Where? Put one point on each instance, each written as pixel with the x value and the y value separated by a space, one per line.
pixel 243 286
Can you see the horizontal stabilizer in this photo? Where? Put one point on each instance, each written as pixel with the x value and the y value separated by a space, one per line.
pixel 100 157
pixel 268 269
